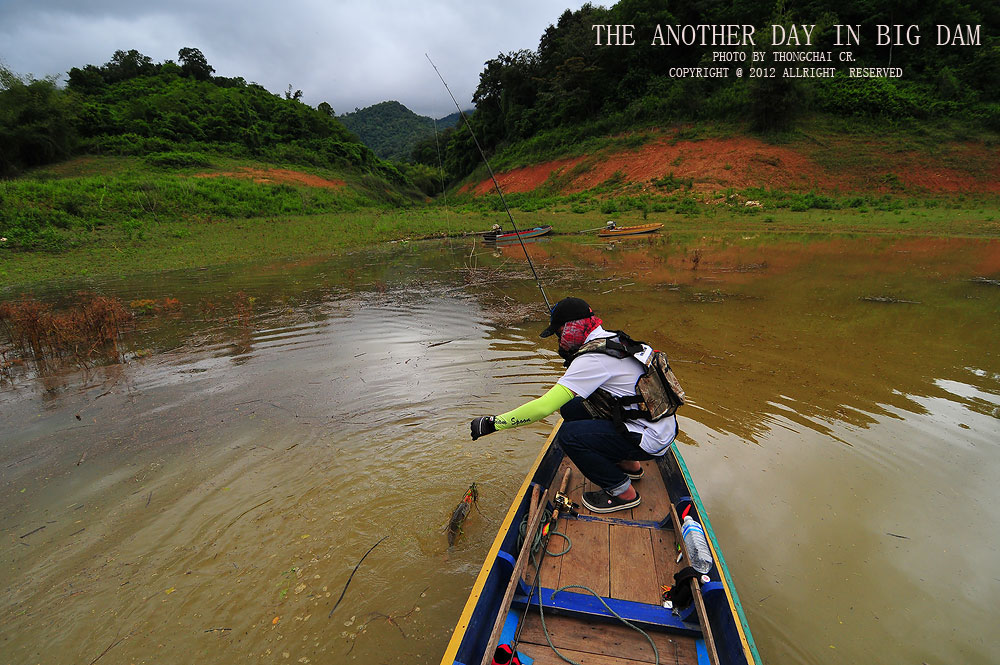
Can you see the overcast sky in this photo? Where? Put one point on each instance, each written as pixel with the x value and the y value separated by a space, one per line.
pixel 350 54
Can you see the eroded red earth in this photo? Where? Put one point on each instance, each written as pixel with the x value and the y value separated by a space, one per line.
pixel 713 164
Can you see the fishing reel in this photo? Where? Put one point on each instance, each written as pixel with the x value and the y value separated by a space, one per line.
pixel 566 505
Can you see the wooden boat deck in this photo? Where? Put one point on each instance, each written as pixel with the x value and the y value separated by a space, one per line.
pixel 622 555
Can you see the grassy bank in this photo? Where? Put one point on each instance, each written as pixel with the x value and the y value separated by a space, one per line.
pixel 188 243
pixel 101 216
pixel 85 200
pixel 194 243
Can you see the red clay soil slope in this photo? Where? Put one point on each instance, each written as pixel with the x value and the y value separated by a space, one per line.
pixel 714 164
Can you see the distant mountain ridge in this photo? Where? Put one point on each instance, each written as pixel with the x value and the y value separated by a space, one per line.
pixel 391 130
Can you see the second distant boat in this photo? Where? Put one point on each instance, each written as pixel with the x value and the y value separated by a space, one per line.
pixel 628 230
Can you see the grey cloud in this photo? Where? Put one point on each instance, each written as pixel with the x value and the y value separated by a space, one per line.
pixel 348 54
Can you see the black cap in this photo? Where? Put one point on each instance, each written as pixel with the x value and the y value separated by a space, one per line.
pixel 566 310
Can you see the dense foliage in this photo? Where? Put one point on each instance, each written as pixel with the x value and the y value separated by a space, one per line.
pixel 569 82
pixel 132 106
pixel 392 130
pixel 36 123
pixel 161 121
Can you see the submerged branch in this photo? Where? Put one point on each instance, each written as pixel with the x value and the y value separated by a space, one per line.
pixel 358 565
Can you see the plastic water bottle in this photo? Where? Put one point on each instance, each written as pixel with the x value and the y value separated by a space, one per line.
pixel 700 557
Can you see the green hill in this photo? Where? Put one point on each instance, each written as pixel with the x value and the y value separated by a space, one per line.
pixel 133 106
pixel 150 132
pixel 391 130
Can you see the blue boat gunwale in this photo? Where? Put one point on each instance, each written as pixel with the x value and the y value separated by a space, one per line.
pixel 733 640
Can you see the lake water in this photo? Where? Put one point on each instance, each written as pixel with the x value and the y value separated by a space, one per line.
pixel 208 499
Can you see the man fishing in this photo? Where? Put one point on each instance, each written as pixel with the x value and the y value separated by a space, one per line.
pixel 608 429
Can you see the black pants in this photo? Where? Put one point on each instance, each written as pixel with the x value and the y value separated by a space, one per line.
pixel 596 446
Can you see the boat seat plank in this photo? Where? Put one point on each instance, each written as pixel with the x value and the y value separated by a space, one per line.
pixel 588 561
pixel 633 571
pixel 592 642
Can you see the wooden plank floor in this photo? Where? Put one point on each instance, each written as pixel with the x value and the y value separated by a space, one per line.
pixel 615 560
pixel 601 644
pixel 654 504
pixel 625 562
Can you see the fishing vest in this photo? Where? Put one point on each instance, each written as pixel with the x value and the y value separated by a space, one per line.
pixel 658 394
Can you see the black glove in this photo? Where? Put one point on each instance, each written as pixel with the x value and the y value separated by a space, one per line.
pixel 482 426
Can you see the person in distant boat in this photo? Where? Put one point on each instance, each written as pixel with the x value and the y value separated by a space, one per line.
pixel 603 433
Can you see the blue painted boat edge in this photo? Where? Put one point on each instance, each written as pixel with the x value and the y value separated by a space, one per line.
pixel 702 652
pixel 471 629
pixel 641 524
pixel 569 603
pixel 719 559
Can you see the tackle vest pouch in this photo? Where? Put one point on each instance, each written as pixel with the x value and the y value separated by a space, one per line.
pixel 659 388
pixel 658 393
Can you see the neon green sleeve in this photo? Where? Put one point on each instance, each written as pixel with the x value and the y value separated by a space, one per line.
pixel 536 409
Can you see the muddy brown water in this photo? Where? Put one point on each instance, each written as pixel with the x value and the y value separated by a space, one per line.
pixel 208 499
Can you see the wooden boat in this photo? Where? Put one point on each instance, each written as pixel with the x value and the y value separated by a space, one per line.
pixel 523 233
pixel 628 230
pixel 624 557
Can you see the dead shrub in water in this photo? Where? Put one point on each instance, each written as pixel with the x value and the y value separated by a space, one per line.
pixel 7 366
pixel 94 323
pixel 474 274
pixel 26 322
pixel 207 307
pixel 244 308
pixel 143 305
pixel 509 312
pixel 695 259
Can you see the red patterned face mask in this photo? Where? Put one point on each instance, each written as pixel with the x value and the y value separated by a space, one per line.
pixel 574 333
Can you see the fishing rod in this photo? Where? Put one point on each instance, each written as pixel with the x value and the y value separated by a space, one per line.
pixel 562 503
pixel 548 307
pixel 437 145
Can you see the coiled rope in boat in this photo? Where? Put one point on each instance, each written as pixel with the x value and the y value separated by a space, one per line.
pixel 536 546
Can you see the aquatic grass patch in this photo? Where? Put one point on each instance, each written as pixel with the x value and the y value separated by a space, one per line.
pixel 191 243
pixel 149 306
